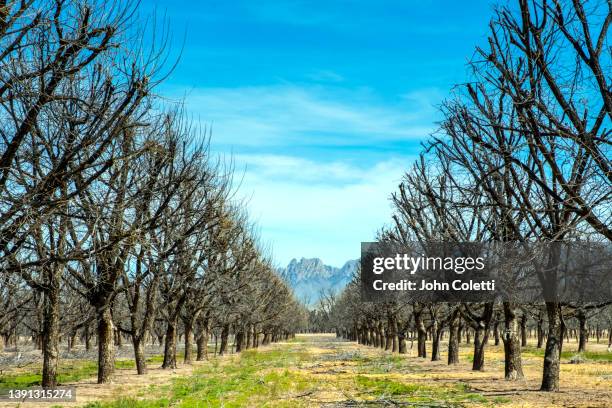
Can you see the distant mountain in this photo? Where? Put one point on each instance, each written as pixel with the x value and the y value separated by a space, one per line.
pixel 309 277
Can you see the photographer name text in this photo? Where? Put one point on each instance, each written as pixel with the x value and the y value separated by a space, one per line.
pixel 457 284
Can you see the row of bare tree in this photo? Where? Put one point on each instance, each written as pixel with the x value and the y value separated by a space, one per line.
pixel 523 155
pixel 390 325
pixel 115 220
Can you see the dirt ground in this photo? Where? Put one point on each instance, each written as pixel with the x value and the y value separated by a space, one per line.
pixel 582 385
pixel 332 365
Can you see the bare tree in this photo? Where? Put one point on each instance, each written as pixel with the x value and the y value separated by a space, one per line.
pixel 534 119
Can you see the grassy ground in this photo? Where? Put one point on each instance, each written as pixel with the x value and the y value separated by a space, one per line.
pixel 69 371
pixel 318 370
pixel 302 374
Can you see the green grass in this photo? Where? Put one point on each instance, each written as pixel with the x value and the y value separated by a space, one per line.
pixel 501 400
pixel 384 386
pixel 385 364
pixel 130 402
pixel 380 388
pixel 567 355
pixel 72 371
pixel 68 371
pixel 589 355
pixel 252 379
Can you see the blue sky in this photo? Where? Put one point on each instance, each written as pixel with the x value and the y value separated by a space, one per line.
pixel 321 105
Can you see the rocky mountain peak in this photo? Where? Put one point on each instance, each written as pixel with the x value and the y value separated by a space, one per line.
pixel 309 277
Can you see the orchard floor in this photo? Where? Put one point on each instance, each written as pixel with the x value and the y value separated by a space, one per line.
pixel 318 370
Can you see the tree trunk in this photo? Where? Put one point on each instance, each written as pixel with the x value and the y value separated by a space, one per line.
pixel 552 353
pixel 513 367
pixel 87 335
pixel 249 338
pixel 202 344
pixel 388 336
pixel 393 329
pixel 453 339
pixel 375 336
pixel 187 358
pixel 583 333
pixel 402 342
pixel 50 337
pixel 118 339
pixel 170 345
pixel 496 331
pixel 436 332
pixel 224 338
pixel 540 331
pixel 72 340
pixel 139 355
pixel 239 341
pixel 106 349
pixel 479 347
pixel 481 337
pixel 524 329
pixel 421 335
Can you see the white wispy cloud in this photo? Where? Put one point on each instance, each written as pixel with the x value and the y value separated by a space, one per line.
pixel 285 114
pixel 300 170
pixel 304 216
